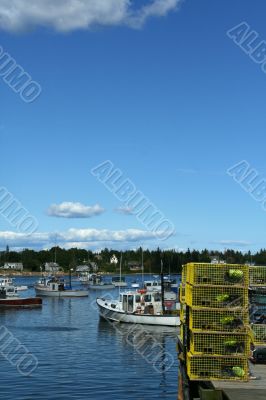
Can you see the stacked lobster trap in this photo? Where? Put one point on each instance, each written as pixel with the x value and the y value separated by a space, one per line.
pixel 214 319
pixel 257 295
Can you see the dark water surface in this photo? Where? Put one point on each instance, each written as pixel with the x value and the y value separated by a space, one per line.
pixel 83 357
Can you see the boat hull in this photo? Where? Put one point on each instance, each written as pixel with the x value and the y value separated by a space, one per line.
pixel 101 287
pixel 23 303
pixel 120 284
pixel 21 288
pixel 61 293
pixel 145 319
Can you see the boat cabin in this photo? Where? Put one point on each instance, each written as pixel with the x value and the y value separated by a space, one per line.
pixel 118 279
pixel 141 303
pixel 7 292
pixel 152 285
pixel 52 283
pixel 5 281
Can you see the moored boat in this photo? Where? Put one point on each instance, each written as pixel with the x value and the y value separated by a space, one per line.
pixel 85 277
pixel 55 287
pixel 140 307
pixel 119 281
pixel 9 298
pixel 7 281
pixel 135 285
pixel 98 284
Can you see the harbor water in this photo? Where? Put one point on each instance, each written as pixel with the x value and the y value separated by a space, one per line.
pixel 80 356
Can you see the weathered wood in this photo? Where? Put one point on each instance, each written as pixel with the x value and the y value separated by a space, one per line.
pixel 254 389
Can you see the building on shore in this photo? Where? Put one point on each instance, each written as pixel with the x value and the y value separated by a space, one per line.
pixel 14 266
pixel 134 266
pixel 89 267
pixel 51 267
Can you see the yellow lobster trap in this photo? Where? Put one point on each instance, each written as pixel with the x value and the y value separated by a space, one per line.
pixel 182 312
pixel 217 368
pixel 182 293
pixel 220 344
pixel 182 332
pixel 259 334
pixel 257 276
pixel 216 296
pixel 217 274
pixel 184 274
pixel 201 319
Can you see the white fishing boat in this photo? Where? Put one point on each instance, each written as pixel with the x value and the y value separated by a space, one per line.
pixel 155 286
pixel 7 281
pixel 140 307
pixel 99 284
pixel 55 287
pixel 152 285
pixel 119 281
pixel 85 277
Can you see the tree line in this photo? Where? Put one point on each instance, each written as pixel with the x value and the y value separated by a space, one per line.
pixel 171 260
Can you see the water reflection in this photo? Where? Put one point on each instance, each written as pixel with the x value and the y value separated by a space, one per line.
pixel 82 356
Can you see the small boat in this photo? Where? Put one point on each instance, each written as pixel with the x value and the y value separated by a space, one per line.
pixel 140 307
pixel 55 287
pixel 135 284
pixel 9 298
pixel 119 281
pixel 155 285
pixel 102 286
pixel 7 281
pixel 85 277
pixel 98 284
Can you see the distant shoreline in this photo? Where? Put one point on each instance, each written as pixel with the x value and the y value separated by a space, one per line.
pixel 35 273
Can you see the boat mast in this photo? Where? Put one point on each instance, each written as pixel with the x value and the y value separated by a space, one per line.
pixel 70 285
pixel 120 273
pixel 162 287
pixel 142 266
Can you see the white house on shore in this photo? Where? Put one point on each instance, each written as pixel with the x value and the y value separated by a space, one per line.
pixel 13 266
pixel 51 267
pixel 91 266
pixel 113 259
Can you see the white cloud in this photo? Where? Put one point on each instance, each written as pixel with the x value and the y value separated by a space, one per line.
pixel 124 210
pixel 73 237
pixel 74 210
pixel 69 15
pixel 235 243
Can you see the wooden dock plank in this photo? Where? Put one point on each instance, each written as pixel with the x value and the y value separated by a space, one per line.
pixel 254 389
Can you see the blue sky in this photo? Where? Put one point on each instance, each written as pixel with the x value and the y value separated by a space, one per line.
pixel 162 92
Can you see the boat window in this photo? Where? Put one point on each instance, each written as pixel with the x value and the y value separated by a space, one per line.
pixel 157 297
pixel 148 284
pixel 137 298
pixel 147 298
pixel 125 302
pixel 130 300
pixel 155 284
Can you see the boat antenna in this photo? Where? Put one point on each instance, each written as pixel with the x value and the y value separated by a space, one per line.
pixel 162 287
pixel 142 266
pixel 120 273
pixel 70 283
